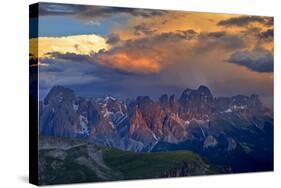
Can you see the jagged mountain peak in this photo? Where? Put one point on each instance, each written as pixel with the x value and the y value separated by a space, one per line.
pixel 185 95
pixel 164 99
pixel 172 99
pixel 144 100
pixel 59 88
pixel 204 90
pixel 188 93
pixel 58 94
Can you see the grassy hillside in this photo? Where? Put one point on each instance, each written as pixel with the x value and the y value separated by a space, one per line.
pixel 77 162
pixel 152 165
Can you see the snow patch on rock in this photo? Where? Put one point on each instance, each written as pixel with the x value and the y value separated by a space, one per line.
pixel 75 106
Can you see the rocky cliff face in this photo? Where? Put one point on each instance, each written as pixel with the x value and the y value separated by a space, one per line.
pixel 140 124
pixel 197 103
pixel 57 116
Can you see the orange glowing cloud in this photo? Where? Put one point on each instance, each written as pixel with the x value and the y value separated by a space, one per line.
pixel 201 23
pixel 129 62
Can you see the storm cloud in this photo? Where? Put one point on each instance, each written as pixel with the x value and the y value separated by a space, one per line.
pixel 246 20
pixel 85 12
pixel 268 34
pixel 259 60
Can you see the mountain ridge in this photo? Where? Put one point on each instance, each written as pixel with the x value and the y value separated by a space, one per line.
pixel 146 121
pixel 196 121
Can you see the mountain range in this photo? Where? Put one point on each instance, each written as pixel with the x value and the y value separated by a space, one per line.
pixel 235 133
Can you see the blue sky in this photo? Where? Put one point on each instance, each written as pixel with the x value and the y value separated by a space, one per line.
pixel 67 25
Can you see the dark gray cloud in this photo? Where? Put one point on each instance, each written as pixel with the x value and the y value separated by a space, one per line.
pixel 71 57
pixel 178 35
pixel 258 35
pixel 113 38
pixel 91 12
pixel 144 29
pixel 55 9
pixel 101 12
pixel 82 64
pixel 81 73
pixel 246 20
pixel 214 40
pixel 148 43
pixel 268 34
pixel 252 31
pixel 50 69
pixel 218 34
pixel 259 60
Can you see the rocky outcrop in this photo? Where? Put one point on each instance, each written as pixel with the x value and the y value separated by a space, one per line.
pixel 197 103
